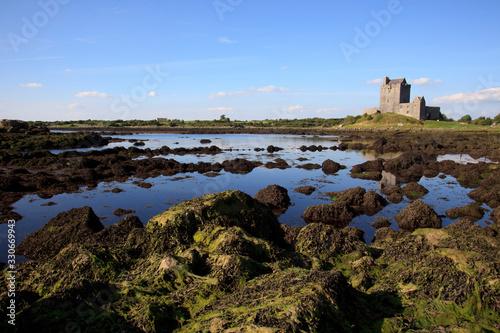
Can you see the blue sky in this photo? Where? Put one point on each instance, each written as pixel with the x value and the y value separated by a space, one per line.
pixel 193 59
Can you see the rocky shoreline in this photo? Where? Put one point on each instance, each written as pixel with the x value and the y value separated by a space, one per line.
pixel 223 262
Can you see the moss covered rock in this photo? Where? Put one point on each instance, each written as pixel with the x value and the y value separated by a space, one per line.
pixel 418 215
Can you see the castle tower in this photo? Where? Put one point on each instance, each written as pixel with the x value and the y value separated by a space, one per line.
pixel 393 93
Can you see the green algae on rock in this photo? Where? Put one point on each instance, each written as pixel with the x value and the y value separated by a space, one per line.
pixel 223 263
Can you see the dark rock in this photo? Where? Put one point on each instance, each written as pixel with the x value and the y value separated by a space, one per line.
pixel 338 214
pixel 76 225
pixel 309 166
pixel 375 165
pixel 414 190
pixel 274 196
pixel 373 203
pixel 307 190
pixel 117 234
pixel 121 211
pixel 495 215
pixel 272 149
pixel 472 212
pixel 379 144
pixel 382 223
pixel 205 141
pixel 142 184
pixel 418 215
pixel 277 164
pixel 139 143
pixel 326 242
pixel 330 167
pixel 240 165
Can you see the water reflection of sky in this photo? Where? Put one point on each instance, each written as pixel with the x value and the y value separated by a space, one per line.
pixel 167 191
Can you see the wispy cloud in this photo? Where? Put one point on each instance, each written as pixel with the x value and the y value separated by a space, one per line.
pixel 292 109
pixel 375 81
pixel 222 94
pixel 328 110
pixel 274 89
pixel 486 95
pixel 227 40
pixel 31 85
pixel 92 94
pixel 424 81
pixel 253 91
pixel 153 94
pixel 220 109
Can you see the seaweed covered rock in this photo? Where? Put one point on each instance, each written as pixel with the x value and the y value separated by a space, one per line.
pixel 175 228
pixel 368 170
pixel 76 225
pixel 472 212
pixel 361 201
pixel 414 190
pixel 418 215
pixel 381 223
pixel 274 196
pixel 326 242
pixel 330 167
pixel 438 269
pixel 292 300
pixel 240 165
pixel 307 190
pixel 338 214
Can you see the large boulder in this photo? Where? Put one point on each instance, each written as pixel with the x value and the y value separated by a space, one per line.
pixel 274 196
pixel 418 215
pixel 338 214
pixel 330 167
pixel 76 225
pixel 240 165
pixel 176 227
pixel 414 190
pixel 472 212
pixel 326 242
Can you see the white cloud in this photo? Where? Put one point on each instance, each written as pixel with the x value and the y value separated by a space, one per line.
pixel 153 94
pixel 31 85
pixel 222 94
pixel 68 70
pixel 424 81
pixel 292 109
pixel 92 94
pixel 75 106
pixel 284 67
pixel 220 109
pixel 375 81
pixel 274 89
pixel 328 110
pixel 486 95
pixel 226 40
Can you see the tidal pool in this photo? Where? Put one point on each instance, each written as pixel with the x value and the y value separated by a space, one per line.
pixel 444 193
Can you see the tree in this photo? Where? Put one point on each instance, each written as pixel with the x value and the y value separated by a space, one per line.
pixel 465 119
pixel 496 120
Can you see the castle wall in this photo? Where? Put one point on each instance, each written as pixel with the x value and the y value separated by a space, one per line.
pixel 432 112
pixel 395 97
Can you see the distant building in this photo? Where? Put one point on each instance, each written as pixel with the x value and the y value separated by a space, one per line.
pixel 161 120
pixel 395 98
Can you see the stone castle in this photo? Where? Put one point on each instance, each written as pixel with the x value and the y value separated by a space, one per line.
pixel 395 97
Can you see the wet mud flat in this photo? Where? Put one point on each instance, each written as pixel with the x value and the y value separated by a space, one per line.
pixel 223 261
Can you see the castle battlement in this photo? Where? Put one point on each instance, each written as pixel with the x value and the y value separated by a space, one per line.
pixel 395 98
